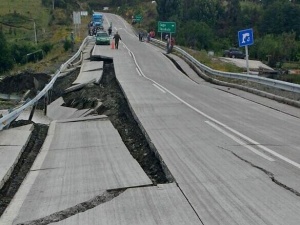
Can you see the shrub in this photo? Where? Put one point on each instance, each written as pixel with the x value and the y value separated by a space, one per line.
pixel 21 50
pixel 46 47
pixel 6 62
pixel 67 44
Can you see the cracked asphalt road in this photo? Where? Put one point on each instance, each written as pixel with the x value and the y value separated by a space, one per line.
pixel 114 106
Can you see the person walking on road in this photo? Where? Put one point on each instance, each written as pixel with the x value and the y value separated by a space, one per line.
pixel 117 38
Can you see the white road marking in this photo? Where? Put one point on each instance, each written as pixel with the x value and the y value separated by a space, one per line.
pixel 216 121
pixel 120 18
pixel 158 88
pixel 234 131
pixel 107 21
pixel 240 141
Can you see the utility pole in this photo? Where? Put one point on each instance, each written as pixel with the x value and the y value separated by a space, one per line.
pixel 53 4
pixel 34 28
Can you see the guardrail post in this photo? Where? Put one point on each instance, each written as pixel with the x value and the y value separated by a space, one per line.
pixel 45 103
pixel 32 112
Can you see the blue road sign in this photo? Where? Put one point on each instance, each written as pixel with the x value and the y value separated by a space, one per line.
pixel 245 37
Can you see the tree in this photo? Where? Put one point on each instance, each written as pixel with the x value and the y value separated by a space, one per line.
pixel 286 20
pixel 201 10
pixel 6 62
pixel 289 46
pixel 197 35
pixel 168 8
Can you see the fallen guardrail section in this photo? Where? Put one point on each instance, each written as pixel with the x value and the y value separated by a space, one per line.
pixel 7 119
pixel 209 71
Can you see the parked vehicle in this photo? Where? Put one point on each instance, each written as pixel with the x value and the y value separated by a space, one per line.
pixel 102 38
pixel 234 53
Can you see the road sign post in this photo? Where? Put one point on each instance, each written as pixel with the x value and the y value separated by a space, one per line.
pixel 138 18
pixel 166 27
pixel 246 38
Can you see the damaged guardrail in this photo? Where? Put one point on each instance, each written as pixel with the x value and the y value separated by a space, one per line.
pixel 7 119
pixel 261 80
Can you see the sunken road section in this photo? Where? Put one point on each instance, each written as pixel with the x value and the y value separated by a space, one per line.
pixel 114 105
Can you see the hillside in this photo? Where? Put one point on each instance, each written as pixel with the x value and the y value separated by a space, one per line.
pixel 202 25
pixel 17 19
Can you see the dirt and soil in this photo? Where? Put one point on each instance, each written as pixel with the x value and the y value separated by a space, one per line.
pixel 115 106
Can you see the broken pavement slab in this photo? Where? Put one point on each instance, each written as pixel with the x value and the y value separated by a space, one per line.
pixel 158 205
pixel 92 66
pixel 15 136
pixel 38 116
pixel 58 112
pixel 89 71
pixel 12 144
pixel 79 161
pixel 79 86
pixel 9 156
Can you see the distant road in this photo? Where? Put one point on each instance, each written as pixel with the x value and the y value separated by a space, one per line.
pixel 254 65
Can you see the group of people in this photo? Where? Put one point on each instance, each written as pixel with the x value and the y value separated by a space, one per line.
pixel 149 35
pixel 170 40
pixel 170 43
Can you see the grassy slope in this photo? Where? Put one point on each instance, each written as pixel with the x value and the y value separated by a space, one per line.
pixel 55 34
pixel 28 10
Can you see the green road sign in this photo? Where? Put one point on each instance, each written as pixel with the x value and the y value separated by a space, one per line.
pixel 167 27
pixel 138 18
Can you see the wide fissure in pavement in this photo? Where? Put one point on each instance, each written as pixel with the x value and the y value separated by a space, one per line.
pixel 79 208
pixel 115 106
pixel 24 164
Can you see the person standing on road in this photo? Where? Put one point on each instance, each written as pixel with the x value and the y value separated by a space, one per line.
pixel 140 36
pixel 117 38
pixel 172 43
pixel 168 43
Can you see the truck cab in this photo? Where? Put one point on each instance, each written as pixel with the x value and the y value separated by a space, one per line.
pixel 98 20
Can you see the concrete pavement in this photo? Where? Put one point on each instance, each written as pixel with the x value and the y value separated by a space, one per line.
pixel 79 160
pixel 12 145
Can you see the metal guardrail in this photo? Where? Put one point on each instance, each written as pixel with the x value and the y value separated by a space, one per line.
pixel 7 119
pixel 261 80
